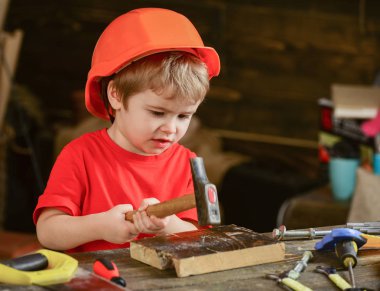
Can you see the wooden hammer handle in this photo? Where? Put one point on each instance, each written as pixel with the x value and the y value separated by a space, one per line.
pixel 168 207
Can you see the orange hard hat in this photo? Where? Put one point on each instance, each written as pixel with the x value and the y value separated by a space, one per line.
pixel 139 33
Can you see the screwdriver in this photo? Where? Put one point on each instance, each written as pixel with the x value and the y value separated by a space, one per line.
pixel 108 269
pixel 346 243
pixel 347 254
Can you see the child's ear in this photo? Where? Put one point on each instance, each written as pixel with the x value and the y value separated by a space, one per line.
pixel 113 97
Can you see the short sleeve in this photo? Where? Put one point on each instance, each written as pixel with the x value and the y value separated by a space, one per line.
pixel 66 185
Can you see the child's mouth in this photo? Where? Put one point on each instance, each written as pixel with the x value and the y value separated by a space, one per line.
pixel 161 143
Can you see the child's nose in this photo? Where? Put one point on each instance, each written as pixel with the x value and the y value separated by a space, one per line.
pixel 169 126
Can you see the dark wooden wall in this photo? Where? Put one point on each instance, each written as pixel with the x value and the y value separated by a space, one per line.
pixel 278 57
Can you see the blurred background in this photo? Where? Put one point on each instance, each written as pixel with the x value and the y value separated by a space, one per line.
pixel 259 127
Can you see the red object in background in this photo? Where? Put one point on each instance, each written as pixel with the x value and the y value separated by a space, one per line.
pixel 326 118
pixel 107 269
pixel 323 154
pixel 366 165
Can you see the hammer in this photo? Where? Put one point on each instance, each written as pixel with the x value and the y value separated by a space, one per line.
pixel 205 198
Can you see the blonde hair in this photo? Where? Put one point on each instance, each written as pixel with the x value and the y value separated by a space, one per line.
pixel 175 74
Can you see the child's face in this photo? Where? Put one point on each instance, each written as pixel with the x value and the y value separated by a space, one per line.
pixel 151 123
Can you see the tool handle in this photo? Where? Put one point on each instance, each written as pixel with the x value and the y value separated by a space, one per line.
pixel 168 207
pixel 108 270
pixel 347 253
pixel 295 285
pixel 373 241
pixel 32 262
pixel 339 281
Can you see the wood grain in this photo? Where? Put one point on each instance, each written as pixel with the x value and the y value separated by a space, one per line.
pixel 208 250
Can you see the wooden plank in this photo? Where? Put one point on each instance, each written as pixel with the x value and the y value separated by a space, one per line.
pixel 3 11
pixel 302 30
pixel 281 140
pixel 8 64
pixel 288 118
pixel 208 250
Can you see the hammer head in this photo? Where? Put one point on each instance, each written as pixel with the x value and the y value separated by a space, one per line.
pixel 206 196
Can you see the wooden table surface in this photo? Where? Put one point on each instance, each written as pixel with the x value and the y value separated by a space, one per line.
pixel 140 276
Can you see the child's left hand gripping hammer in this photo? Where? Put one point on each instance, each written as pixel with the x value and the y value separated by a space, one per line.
pixel 205 198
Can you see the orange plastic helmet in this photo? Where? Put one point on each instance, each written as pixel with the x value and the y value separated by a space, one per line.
pixel 139 33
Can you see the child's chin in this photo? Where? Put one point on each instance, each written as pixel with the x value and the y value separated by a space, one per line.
pixel 154 152
pixel 160 151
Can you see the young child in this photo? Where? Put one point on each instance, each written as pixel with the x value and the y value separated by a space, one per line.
pixel 150 71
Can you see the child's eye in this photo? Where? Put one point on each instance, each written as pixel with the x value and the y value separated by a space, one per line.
pixel 157 113
pixel 184 116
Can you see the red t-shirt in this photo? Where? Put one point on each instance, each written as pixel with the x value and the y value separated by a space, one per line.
pixel 92 174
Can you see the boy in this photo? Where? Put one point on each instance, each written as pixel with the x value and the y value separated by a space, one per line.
pixel 149 73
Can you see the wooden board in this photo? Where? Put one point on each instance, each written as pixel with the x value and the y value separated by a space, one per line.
pixel 3 11
pixel 208 250
pixel 8 63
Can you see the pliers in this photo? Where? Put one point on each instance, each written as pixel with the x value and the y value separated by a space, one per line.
pixel 333 276
pixel 288 283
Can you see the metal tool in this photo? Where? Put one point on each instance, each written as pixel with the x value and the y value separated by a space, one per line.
pixel 288 283
pixel 281 233
pixel 333 276
pixel 288 278
pixel 365 227
pixel 300 266
pixel 205 198
pixel 347 252
pixel 346 243
pixel 363 224
pixel 338 280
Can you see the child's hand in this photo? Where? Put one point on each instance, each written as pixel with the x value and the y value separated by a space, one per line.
pixel 152 224
pixel 116 228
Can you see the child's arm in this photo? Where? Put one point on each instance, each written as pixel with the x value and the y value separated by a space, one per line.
pixel 60 231
pixel 152 224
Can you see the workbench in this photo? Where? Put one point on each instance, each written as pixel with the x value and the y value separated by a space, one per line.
pixel 140 276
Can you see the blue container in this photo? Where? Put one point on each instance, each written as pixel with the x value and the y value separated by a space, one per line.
pixel 376 164
pixel 342 172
